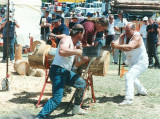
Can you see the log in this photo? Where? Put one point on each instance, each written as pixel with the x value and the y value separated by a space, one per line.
pixel 21 67
pixel 137 2
pixel 100 65
pixel 36 72
pixel 31 72
pixel 37 59
pixel 136 10
pixel 137 6
pixel 35 43
pixel 18 52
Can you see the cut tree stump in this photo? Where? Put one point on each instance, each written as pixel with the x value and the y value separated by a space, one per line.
pixel 21 67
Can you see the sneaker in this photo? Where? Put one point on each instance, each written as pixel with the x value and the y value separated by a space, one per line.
pixel 12 61
pixel 139 94
pixel 3 61
pixel 78 110
pixel 126 102
pixel 150 66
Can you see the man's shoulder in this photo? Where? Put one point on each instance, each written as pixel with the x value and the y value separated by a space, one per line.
pixel 66 38
pixel 155 24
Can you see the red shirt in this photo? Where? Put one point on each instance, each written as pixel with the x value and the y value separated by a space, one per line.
pixel 90 33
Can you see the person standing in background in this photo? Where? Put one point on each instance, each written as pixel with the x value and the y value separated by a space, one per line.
pixel 117 27
pixel 143 29
pixel 45 28
pixel 12 24
pixel 153 42
pixel 110 33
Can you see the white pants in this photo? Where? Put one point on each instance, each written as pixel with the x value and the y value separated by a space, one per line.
pixel 132 81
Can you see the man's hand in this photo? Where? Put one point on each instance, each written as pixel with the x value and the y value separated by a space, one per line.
pixel 79 52
pixel 84 59
pixel 114 45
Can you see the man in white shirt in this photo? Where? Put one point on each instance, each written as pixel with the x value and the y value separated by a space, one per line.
pixel 60 73
pixel 119 23
pixel 131 43
pixel 143 30
pixel 109 34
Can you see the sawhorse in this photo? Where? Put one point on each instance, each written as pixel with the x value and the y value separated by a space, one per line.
pixel 46 80
pixel 89 82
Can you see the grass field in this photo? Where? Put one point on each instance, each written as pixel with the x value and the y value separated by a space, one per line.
pixel 109 91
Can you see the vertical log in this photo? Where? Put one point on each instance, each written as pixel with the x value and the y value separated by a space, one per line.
pixel 18 52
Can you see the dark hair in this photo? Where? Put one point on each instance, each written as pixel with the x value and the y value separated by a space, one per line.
pixel 103 21
pixel 76 29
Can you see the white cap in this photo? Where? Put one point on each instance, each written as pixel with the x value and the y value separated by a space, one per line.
pixel 145 18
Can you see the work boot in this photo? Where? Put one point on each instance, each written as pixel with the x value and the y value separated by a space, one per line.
pixel 78 110
pixel 3 61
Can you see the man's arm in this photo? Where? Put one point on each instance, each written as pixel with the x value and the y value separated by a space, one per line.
pixel 158 30
pixel 64 48
pixel 17 25
pixel 58 36
pixel 3 24
pixel 135 43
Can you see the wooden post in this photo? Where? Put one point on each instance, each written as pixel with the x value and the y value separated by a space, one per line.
pixel 18 52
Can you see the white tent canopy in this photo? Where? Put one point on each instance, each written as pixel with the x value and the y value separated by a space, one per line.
pixel 27 14
pixel 2 2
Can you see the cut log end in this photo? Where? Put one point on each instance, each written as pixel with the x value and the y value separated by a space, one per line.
pixel 21 67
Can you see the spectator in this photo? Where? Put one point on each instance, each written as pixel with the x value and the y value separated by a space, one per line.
pixel 152 42
pixel 111 33
pixel 60 30
pixel 12 24
pixel 45 28
pixel 74 21
pixel 119 23
pixel 92 26
pixel 143 28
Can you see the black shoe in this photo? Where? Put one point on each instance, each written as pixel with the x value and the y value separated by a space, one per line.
pixel 150 66
pixel 157 67
pixel 138 94
pixel 115 62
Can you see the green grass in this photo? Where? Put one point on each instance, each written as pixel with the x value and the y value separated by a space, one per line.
pixel 110 91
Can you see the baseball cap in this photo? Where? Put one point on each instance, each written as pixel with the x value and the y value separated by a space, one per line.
pixel 145 18
pixel 89 14
pixel 57 18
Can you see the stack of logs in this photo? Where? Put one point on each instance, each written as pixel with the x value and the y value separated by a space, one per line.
pixel 37 61
pixel 136 6
pixel 23 67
